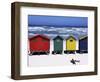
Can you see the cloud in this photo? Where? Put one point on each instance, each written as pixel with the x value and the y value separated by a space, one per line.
pixel 36 28
pixel 54 31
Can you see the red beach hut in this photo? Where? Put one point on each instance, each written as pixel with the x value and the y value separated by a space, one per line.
pixel 39 44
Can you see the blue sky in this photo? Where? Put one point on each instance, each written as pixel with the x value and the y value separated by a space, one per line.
pixel 57 21
pixel 57 25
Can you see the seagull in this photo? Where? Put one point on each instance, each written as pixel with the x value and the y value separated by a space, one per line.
pixel 74 61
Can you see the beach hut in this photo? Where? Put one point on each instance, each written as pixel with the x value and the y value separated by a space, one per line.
pixel 70 45
pixel 39 45
pixel 58 45
pixel 83 44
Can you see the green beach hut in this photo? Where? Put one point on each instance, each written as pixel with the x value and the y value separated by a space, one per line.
pixel 58 45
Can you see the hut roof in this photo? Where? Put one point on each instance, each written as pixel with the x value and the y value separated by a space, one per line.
pixel 71 36
pixel 58 37
pixel 82 37
pixel 43 36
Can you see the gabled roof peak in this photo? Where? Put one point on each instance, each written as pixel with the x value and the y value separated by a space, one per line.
pixel 58 37
pixel 43 36
pixel 71 36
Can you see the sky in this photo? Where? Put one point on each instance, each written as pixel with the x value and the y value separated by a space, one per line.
pixel 57 25
pixel 57 21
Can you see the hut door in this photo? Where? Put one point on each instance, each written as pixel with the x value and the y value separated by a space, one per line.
pixel 71 44
pixel 58 45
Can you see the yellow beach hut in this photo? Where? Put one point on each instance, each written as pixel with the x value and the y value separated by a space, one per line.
pixel 70 45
